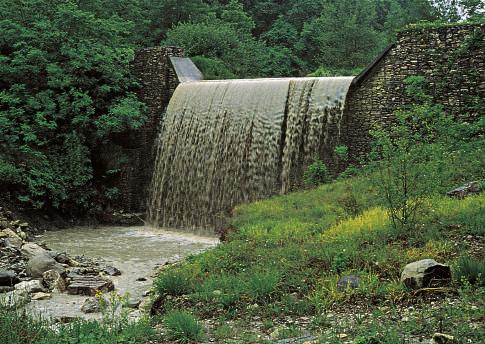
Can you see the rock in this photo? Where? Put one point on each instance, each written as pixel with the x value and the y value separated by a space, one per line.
pixel 89 285
pixel 62 258
pixel 30 287
pixel 22 235
pixel 90 305
pixel 465 190
pixel 6 289
pixel 41 296
pixel 348 281
pixel 133 303
pixel 31 249
pixel 54 281
pixel 15 298
pixel 135 316
pixel 12 237
pixel 8 278
pixel 112 271
pixel 441 338
pixel 23 225
pixel 425 273
pixel 41 263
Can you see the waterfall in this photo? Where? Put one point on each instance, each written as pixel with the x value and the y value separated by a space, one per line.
pixel 227 142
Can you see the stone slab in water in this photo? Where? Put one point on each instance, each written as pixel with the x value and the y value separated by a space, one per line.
pixel 89 285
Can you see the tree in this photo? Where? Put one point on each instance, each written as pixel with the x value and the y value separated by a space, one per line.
pixel 65 86
pixel 234 15
pixel 343 36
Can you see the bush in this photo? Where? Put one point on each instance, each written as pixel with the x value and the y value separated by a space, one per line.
pixel 316 174
pixel 183 326
pixel 471 270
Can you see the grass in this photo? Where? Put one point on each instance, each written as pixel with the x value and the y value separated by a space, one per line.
pixel 183 326
pixel 285 256
pixel 19 327
pixel 470 270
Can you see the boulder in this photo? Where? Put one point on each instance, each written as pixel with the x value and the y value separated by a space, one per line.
pixel 41 296
pixel 62 258
pixel 465 190
pixel 8 278
pixel 34 286
pixel 112 271
pixel 426 273
pixel 89 285
pixel 90 305
pixel 53 280
pixel 15 298
pixel 41 263
pixel 31 249
pixel 350 281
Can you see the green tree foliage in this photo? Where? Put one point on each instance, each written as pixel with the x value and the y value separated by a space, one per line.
pixel 343 36
pixel 65 86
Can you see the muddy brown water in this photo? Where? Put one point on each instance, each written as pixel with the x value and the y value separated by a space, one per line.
pixel 136 251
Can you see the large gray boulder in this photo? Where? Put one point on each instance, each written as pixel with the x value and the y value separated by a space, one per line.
pixel 31 249
pixel 30 287
pixel 40 263
pixel 426 273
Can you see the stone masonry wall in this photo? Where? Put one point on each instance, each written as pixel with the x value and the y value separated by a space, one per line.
pixel 451 58
pixel 158 81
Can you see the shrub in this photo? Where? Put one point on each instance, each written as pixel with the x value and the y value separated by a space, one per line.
pixel 316 174
pixel 471 270
pixel 183 326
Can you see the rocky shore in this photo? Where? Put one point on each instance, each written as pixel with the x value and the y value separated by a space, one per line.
pixel 30 271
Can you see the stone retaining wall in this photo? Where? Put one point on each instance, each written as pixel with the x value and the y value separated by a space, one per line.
pixel 158 81
pixel 451 58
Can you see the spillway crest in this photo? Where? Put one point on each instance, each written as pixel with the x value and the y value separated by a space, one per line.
pixel 227 142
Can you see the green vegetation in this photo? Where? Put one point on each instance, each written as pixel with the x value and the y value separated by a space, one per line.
pixel 18 327
pixel 470 270
pixel 183 327
pixel 317 173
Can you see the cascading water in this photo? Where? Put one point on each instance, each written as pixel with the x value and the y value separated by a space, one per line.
pixel 228 142
pixel 313 105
